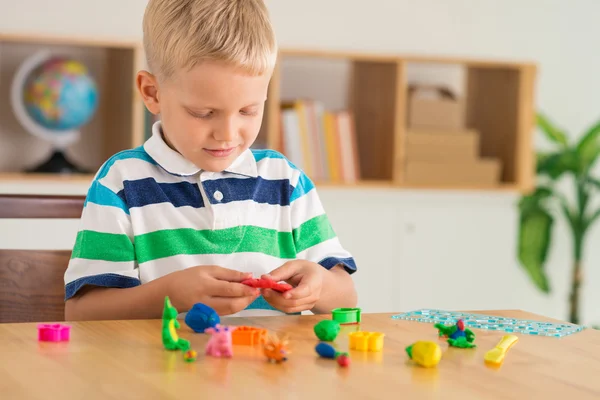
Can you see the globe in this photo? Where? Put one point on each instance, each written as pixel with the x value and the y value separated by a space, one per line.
pixel 60 95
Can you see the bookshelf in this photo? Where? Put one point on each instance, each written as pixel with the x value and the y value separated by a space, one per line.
pixel 497 99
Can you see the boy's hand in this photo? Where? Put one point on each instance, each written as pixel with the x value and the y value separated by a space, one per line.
pixel 217 287
pixel 307 276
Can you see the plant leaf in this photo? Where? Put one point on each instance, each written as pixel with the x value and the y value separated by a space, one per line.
pixel 588 148
pixel 533 201
pixel 595 182
pixel 551 131
pixel 556 164
pixel 534 241
pixel 590 221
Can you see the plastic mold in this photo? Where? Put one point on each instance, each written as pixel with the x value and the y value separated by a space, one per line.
pixel 54 333
pixel 249 336
pixel 366 341
pixel 346 316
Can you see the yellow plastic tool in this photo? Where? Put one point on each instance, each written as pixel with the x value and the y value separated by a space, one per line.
pixel 496 355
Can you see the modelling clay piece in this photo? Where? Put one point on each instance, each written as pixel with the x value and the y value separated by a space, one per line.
pixel 327 330
pixel 346 315
pixel 190 356
pixel 275 349
pixel 425 353
pixel 248 336
pixel 201 317
pixel 366 341
pixel 326 350
pixel 170 339
pixel 267 284
pixel 458 335
pixel 54 333
pixel 220 343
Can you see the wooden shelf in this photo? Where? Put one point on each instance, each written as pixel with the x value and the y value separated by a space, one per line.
pixel 498 103
pixel 31 177
pixel 118 123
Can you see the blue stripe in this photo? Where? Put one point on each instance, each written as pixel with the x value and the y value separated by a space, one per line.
pixel 304 186
pixel 142 192
pixel 348 263
pixel 103 196
pixel 260 155
pixel 261 304
pixel 257 189
pixel 138 153
pixel 104 280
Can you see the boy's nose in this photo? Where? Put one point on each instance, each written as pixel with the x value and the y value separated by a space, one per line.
pixel 226 132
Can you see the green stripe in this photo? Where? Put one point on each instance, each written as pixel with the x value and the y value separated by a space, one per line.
pixel 167 243
pixel 171 242
pixel 313 232
pixel 93 245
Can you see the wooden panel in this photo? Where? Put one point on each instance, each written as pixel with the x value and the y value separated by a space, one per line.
pixel 37 206
pixel 393 57
pixel 32 285
pixel 493 109
pixel 525 155
pixel 68 40
pixel 373 102
pixel 122 126
pixel 400 123
pixel 271 127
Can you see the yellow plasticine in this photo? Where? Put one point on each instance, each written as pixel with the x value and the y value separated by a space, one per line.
pixel 366 341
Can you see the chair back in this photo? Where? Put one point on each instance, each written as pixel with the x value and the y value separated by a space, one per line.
pixel 32 281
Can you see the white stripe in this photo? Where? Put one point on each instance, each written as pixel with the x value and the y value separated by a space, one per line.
pixel 305 208
pixel 155 217
pixel 323 250
pixel 133 169
pixel 275 168
pixel 106 219
pixel 256 263
pixel 80 267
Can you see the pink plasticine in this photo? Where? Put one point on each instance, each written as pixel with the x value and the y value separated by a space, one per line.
pixel 54 333
pixel 220 343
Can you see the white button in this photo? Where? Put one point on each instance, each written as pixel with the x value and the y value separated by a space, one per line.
pixel 218 196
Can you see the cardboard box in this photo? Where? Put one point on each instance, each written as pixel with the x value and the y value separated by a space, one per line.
pixel 433 107
pixel 442 146
pixel 483 172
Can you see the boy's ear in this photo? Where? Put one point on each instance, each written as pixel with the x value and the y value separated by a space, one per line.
pixel 147 85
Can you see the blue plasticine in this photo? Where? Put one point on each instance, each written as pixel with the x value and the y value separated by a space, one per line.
pixel 492 323
pixel 201 317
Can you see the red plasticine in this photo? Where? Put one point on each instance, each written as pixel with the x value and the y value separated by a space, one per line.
pixel 267 284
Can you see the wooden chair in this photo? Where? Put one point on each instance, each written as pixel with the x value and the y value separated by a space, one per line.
pixel 32 281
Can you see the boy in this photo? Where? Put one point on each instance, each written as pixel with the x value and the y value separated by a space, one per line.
pixel 193 212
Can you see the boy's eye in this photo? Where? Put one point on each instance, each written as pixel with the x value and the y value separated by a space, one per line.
pixel 249 112
pixel 203 115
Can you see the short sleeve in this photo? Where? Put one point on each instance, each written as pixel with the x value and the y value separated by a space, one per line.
pixel 103 254
pixel 314 237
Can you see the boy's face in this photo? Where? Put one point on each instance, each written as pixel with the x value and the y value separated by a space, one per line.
pixel 210 114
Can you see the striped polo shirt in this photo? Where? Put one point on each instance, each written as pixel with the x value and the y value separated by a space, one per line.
pixel 150 212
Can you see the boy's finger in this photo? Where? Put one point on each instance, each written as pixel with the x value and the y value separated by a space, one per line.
pixel 230 275
pixel 232 289
pixel 283 273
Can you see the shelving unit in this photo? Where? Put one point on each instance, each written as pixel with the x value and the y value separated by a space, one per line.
pixel 117 125
pixel 499 104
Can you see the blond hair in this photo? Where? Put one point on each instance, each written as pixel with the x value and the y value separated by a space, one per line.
pixel 179 34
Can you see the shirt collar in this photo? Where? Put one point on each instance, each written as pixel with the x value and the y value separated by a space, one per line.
pixel 176 164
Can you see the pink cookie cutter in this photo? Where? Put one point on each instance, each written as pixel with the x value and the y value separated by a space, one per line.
pixel 54 333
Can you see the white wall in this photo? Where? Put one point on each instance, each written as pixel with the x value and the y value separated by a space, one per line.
pixel 412 252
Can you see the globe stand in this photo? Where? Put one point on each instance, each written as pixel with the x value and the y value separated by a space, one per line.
pixel 58 164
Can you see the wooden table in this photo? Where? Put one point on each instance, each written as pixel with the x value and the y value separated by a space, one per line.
pixel 126 360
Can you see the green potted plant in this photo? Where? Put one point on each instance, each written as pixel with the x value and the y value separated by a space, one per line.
pixel 539 208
